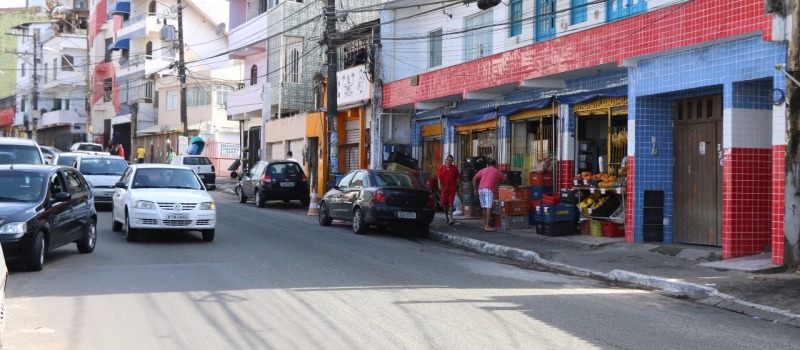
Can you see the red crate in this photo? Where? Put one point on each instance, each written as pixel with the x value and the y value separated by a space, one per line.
pixel 513 208
pixel 541 179
pixel 533 203
pixel 612 229
pixel 551 198
pixel 510 193
pixel 586 227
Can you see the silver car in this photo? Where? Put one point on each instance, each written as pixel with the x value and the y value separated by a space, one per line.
pixel 102 172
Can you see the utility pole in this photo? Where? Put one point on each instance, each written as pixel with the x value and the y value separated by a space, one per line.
pixel 333 63
pixel 791 252
pixel 35 84
pixel 182 71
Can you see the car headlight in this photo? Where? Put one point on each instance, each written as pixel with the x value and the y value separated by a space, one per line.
pixel 144 205
pixel 207 206
pixel 14 228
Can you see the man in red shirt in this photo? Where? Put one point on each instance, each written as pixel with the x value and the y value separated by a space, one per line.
pixel 448 177
pixel 487 189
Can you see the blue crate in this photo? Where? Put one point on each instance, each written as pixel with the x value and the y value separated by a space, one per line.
pixel 558 213
pixel 538 191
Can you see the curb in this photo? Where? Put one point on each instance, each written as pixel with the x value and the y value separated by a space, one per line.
pixel 701 294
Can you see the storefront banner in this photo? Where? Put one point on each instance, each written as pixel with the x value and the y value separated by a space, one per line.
pixel 7 116
pixel 508 110
pixel 620 91
pixel 471 117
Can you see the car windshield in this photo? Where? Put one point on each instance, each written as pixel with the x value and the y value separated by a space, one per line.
pixel 103 166
pixel 166 178
pixel 17 186
pixel 395 180
pixel 19 154
pixel 65 160
pixel 196 161
pixel 90 147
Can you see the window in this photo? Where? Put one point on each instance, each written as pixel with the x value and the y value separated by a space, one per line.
pixel 22 104
pixel 478 36
pixel 151 9
pixel 172 100
pixel 55 69
pixel 198 96
pixel 254 75
pixel 435 48
pixel 577 12
pixel 274 60
pixel 44 73
pixel 294 45
pixel 618 9
pixel 22 70
pixel 148 89
pixel 74 182
pixel 123 56
pixel 108 86
pixel 148 50
pixel 57 104
pixel 263 6
pixel 222 95
pixel 515 18
pixel 107 58
pixel 545 20
pixel 66 104
pixel 67 63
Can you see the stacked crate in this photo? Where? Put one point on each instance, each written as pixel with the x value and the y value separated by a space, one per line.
pixel 514 202
pixel 470 202
pixel 557 220
pixel 536 193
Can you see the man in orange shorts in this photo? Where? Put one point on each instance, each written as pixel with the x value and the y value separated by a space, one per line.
pixel 448 177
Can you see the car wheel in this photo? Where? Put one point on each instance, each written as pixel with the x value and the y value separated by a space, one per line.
pixel 324 216
pixel 359 226
pixel 89 240
pixel 242 196
pixel 305 202
pixel 116 226
pixel 260 201
pixel 424 230
pixel 131 234
pixel 208 235
pixel 36 257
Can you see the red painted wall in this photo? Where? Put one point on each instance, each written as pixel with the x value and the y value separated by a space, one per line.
pixel 746 201
pixel 778 195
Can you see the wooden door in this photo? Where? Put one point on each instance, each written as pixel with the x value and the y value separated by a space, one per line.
pixel 697 174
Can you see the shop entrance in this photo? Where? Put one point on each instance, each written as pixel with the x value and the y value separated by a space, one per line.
pixel 431 154
pixel 698 170
pixel 532 140
pixel 478 144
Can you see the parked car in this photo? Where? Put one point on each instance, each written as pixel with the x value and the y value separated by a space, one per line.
pixel 162 197
pixel 20 151
pixel 102 172
pixel 49 154
pixel 282 180
pixel 378 197
pixel 200 164
pixel 3 281
pixel 88 147
pixel 43 207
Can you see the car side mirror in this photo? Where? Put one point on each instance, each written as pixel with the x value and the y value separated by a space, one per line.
pixel 211 187
pixel 121 185
pixel 62 197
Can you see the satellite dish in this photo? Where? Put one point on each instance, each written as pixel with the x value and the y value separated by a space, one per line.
pixel 220 29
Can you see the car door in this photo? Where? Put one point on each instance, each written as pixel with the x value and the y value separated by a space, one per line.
pixel 118 201
pixel 59 213
pixel 337 205
pixel 81 203
pixel 254 177
pixel 353 192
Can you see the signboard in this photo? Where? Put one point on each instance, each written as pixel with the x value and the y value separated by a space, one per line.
pixel 352 85
pixel 183 144
pixel 228 150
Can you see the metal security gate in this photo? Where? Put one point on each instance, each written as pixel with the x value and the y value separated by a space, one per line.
pixel 698 171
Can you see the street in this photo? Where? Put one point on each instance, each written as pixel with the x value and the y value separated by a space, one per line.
pixel 273 278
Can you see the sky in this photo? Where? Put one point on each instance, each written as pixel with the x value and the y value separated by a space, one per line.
pixel 19 3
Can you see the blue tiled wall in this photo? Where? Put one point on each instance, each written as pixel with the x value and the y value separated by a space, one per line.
pixel 742 70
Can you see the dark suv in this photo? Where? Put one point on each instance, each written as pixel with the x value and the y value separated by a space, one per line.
pixel 274 180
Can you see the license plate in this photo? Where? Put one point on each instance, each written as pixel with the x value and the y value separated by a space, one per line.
pixel 406 215
pixel 177 216
pixel 287 184
pixel 108 194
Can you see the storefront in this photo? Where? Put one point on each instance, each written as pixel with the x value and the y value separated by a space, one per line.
pixel 432 147
pixel 476 134
pixel 602 134
pixel 533 134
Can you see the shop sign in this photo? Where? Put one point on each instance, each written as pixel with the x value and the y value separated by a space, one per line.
pixel 602 106
pixel 7 116
pixel 432 130
pixel 352 85
pixel 228 150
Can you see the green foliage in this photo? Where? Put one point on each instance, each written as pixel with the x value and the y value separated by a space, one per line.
pixel 8 44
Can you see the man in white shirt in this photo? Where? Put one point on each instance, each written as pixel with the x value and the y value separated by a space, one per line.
pixel 289 157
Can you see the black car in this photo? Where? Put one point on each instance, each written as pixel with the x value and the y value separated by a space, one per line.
pixel 380 198
pixel 44 207
pixel 282 180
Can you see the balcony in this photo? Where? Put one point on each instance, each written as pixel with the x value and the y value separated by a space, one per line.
pixel 139 27
pixel 67 81
pixel 249 38
pixel 243 101
pixel 62 117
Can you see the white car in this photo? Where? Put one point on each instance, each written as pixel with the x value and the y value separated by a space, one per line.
pixel 20 151
pixel 200 164
pixel 161 197
pixel 87 147
pixel 102 172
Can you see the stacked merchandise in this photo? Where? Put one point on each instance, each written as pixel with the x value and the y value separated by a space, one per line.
pixel 513 206
pixel 471 202
pixel 541 180
pixel 557 220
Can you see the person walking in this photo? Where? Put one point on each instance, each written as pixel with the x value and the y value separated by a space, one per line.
pixel 140 154
pixel 487 189
pixel 112 149
pixel 448 178
pixel 170 155
pixel 290 157
pixel 121 151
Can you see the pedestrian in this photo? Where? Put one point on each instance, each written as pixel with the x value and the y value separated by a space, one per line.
pixel 112 149
pixel 289 156
pixel 170 155
pixel 140 154
pixel 487 189
pixel 121 151
pixel 448 178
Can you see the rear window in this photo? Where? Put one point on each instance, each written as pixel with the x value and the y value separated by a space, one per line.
pixel 20 154
pixel 100 166
pixel 396 180
pixel 196 161
pixel 90 147
pixel 65 160
pixel 284 168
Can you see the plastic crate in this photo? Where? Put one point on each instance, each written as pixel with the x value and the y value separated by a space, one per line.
pixel 513 208
pixel 541 179
pixel 586 227
pixel 558 213
pixel 556 229
pixel 551 199
pixel 538 191
pixel 612 229
pixel 514 193
pixel 514 222
pixel 596 228
pixel 569 196
pixel 533 219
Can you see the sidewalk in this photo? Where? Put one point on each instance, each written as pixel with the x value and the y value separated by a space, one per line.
pixel 749 285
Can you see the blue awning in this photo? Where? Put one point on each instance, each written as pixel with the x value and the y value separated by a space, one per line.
pixel 507 110
pixel 121 8
pixel 471 117
pixel 619 91
pixel 124 44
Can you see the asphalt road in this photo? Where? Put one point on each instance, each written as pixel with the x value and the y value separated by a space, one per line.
pixel 275 279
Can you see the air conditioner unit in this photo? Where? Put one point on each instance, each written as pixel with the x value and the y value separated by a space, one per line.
pixel 415 80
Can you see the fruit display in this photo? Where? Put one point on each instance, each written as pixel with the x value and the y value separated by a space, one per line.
pixel 602 180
